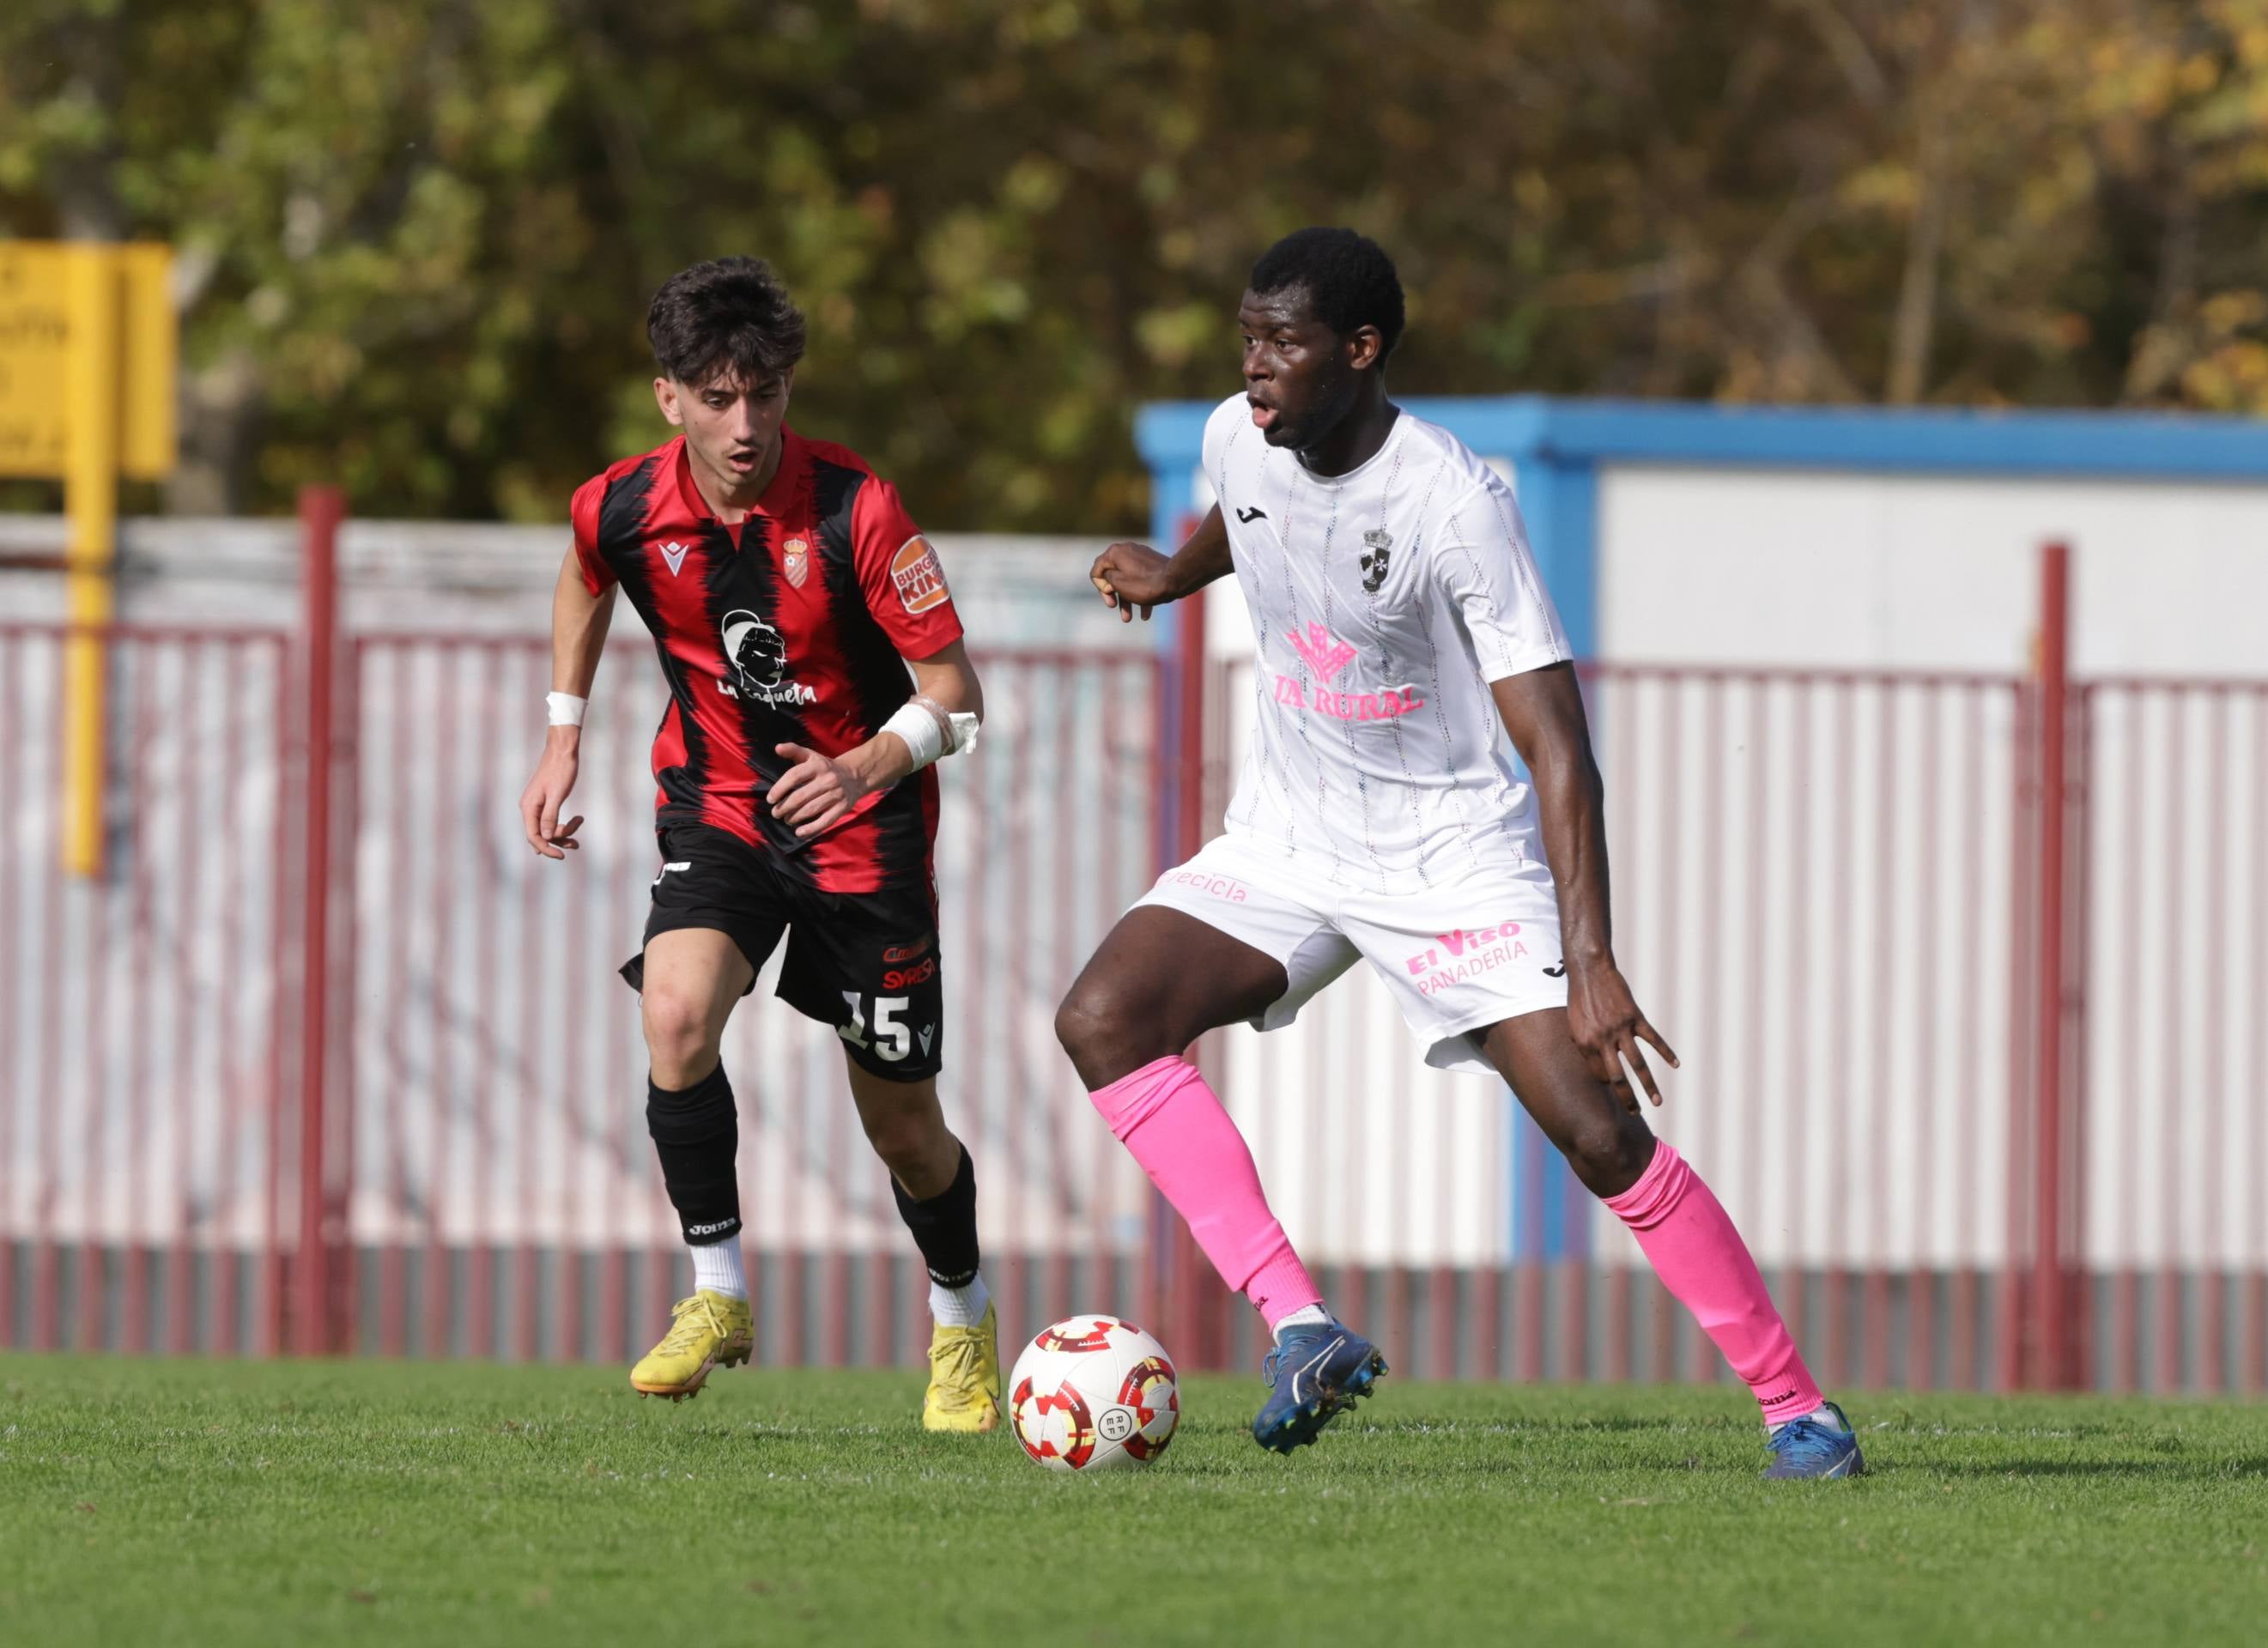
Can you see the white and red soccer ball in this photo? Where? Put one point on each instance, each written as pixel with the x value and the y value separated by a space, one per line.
pixel 1094 1393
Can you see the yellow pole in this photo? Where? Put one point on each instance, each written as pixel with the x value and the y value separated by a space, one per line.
pixel 91 501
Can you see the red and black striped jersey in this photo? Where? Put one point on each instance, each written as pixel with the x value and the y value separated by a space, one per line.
pixel 792 627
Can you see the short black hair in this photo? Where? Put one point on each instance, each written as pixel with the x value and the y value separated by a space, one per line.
pixel 728 315
pixel 1347 277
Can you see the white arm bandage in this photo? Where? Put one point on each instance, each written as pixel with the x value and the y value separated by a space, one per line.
pixel 566 709
pixel 931 731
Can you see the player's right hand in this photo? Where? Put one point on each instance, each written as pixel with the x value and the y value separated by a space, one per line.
pixel 1604 1019
pixel 1131 576
pixel 547 792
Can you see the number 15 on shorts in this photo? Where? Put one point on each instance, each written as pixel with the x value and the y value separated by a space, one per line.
pixel 879 1030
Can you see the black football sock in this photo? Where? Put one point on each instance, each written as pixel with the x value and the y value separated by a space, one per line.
pixel 944 1229
pixel 696 1133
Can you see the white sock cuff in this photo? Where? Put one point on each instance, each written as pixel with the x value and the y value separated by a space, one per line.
pixel 959 1306
pixel 717 1268
pixel 1306 1316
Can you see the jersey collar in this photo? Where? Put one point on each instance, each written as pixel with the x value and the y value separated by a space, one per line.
pixel 1376 460
pixel 778 499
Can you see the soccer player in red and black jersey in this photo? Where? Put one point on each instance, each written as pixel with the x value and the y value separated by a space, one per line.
pixel 815 670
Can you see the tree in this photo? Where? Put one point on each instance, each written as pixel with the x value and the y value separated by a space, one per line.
pixel 418 239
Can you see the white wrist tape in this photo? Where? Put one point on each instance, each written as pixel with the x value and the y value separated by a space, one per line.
pixel 917 727
pixel 932 732
pixel 566 709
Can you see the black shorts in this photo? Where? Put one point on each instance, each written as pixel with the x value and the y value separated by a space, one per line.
pixel 867 963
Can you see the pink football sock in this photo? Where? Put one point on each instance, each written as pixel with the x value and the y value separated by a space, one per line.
pixel 1170 1119
pixel 1701 1259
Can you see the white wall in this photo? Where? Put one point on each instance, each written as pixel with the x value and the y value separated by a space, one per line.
pixel 1928 572
pixel 1794 567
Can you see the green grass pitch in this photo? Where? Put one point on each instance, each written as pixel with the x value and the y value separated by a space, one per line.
pixel 201 1501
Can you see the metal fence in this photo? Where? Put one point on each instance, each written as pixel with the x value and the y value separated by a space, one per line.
pixel 1975 1075
pixel 143 1016
pixel 1815 878
pixel 501 1188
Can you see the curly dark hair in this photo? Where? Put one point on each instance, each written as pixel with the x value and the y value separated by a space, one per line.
pixel 730 315
pixel 1347 277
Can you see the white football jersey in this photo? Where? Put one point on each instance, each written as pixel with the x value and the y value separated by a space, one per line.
pixel 1383 601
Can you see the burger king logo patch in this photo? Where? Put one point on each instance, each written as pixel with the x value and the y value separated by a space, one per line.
pixel 919 576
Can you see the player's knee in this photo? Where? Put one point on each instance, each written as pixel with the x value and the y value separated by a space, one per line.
pixel 1096 1028
pixel 1610 1152
pixel 677 1036
pixel 1079 1020
pixel 907 1142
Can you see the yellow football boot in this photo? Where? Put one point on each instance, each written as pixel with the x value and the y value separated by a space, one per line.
pixel 964 1377
pixel 706 1330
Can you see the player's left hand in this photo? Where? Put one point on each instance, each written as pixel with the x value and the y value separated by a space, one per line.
pixel 815 792
pixel 1603 1018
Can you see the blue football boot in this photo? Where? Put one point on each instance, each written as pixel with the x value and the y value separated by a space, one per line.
pixel 1812 1449
pixel 1314 1375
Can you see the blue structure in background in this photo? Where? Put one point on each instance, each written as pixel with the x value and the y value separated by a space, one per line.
pixel 1556 447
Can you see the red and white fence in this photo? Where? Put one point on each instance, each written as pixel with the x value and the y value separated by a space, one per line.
pixel 143 1018
pixel 368 1081
pixel 499 1175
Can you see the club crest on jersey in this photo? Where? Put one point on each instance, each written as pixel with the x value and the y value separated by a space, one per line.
pixel 919 575
pixel 1373 564
pixel 795 559
pixel 756 656
pixel 674 554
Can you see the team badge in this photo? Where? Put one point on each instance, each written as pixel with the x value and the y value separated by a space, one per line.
pixel 795 555
pixel 1373 564
pixel 919 575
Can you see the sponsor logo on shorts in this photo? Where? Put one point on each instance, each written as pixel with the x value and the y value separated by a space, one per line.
pixel 1219 887
pixel 919 575
pixel 908 977
pixel 1463 954
pixel 896 953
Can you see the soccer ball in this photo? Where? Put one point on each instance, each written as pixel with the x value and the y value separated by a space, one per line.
pixel 1094 1393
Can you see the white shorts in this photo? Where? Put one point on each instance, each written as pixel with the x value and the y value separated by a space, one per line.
pixel 1456 958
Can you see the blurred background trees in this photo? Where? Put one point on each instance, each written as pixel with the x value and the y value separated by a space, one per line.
pixel 418 236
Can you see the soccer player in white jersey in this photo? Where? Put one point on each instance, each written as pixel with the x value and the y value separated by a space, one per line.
pixel 1402 632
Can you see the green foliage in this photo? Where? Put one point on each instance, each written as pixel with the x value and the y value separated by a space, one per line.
pixel 161 1502
pixel 418 236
